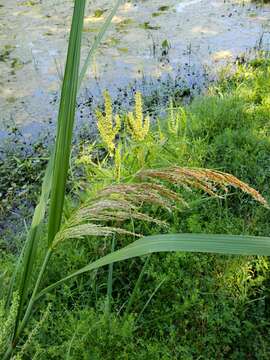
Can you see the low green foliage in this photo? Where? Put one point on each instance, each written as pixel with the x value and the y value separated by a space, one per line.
pixel 7 321
pixel 198 306
pixel 207 306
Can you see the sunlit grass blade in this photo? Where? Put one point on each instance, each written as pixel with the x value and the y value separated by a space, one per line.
pixel 98 40
pixel 204 243
pixel 66 121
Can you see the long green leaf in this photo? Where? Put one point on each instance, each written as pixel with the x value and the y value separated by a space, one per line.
pixel 219 244
pixel 71 84
pixel 66 121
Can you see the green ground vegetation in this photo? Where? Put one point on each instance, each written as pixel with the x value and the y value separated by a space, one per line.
pixel 185 306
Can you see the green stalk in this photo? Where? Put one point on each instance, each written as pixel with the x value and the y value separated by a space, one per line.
pixel 66 121
pixel 136 288
pixel 149 300
pixel 109 286
pixel 59 171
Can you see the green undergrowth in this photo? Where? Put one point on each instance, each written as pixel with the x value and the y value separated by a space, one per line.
pixel 188 306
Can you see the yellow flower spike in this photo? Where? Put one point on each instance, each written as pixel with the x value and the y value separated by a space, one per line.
pixel 117 126
pixel 85 156
pixel 137 125
pixel 176 121
pixel 107 126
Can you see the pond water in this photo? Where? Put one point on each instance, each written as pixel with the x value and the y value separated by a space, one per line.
pixel 148 38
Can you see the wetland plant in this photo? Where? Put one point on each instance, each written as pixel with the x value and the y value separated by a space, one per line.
pixel 104 212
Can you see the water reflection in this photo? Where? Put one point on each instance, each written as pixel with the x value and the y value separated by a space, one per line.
pixel 33 40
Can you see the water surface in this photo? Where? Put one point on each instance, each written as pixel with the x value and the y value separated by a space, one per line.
pixel 147 38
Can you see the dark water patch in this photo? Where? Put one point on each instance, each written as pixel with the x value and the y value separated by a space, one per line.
pixel 156 14
pixel 164 8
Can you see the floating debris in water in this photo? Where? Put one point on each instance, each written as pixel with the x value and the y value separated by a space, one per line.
pixel 147 26
pixel 99 12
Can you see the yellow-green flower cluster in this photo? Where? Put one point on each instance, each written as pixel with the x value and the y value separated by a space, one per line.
pixel 108 125
pixel 137 125
pixel 7 320
pixel 177 120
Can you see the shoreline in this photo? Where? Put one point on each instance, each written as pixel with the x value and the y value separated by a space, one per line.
pixel 30 154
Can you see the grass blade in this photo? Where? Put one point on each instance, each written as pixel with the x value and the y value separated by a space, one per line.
pixel 66 121
pixel 109 287
pixel 136 288
pixel 56 174
pixel 205 243
pixel 149 300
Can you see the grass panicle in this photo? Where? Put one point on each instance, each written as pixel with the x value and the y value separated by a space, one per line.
pixel 209 181
pixel 8 321
pixel 82 230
